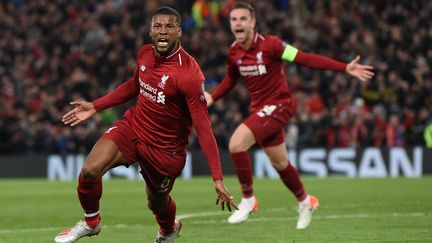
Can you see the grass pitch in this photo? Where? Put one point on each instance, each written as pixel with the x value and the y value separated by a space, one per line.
pixel 352 210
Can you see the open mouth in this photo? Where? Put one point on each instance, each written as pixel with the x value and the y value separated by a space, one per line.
pixel 239 31
pixel 162 42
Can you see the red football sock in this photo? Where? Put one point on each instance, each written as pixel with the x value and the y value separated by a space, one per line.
pixel 166 217
pixel 243 167
pixel 291 179
pixel 89 194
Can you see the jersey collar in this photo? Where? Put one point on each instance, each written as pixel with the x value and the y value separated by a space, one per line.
pixel 170 56
pixel 255 41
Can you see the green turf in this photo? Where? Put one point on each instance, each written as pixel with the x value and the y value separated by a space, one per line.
pixel 352 210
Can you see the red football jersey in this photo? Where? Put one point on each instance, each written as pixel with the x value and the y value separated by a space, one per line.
pixel 262 68
pixel 169 89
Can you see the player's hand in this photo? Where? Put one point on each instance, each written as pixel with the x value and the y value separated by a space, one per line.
pixel 223 196
pixel 209 98
pixel 362 72
pixel 83 110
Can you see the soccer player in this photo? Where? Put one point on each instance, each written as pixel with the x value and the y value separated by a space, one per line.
pixel 259 60
pixel 168 85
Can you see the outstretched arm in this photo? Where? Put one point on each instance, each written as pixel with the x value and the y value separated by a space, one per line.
pixel 83 110
pixel 193 92
pixel 119 95
pixel 206 139
pixel 223 88
pixel 227 83
pixel 315 61
pixel 362 72
pixel 208 145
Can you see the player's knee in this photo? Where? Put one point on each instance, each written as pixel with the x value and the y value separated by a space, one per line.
pixel 89 172
pixel 279 165
pixel 236 146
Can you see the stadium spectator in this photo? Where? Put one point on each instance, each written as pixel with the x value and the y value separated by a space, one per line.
pixel 394 132
pixel 168 85
pixel 258 59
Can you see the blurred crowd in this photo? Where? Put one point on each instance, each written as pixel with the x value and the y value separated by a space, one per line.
pixel 56 51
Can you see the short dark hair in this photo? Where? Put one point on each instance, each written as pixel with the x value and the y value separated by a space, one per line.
pixel 244 5
pixel 167 11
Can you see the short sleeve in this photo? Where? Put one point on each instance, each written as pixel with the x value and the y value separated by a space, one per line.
pixel 277 46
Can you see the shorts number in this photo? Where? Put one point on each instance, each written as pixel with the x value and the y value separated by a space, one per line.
pixel 266 110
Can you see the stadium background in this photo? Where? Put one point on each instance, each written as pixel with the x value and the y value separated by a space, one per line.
pixel 52 52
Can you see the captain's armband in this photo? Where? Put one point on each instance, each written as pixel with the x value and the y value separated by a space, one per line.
pixel 289 53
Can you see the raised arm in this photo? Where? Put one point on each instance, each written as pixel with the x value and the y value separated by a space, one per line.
pixel 83 110
pixel 362 72
pixel 125 92
pixel 316 61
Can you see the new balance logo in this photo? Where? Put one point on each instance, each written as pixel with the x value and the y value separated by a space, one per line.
pixel 160 98
pixel 142 68
pixel 163 81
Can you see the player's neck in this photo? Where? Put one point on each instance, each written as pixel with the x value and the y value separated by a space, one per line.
pixel 175 48
pixel 245 45
pixel 248 42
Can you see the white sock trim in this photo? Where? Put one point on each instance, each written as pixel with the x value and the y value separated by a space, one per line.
pixel 249 200
pixel 305 202
pixel 89 215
